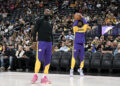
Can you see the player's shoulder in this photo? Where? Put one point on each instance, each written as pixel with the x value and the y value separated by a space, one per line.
pixel 39 19
pixel 86 24
pixel 75 27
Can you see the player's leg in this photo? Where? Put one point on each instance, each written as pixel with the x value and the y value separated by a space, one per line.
pixel 39 56
pixel 74 57
pixel 81 55
pixel 47 59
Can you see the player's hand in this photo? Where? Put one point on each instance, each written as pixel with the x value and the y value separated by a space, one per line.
pixel 80 15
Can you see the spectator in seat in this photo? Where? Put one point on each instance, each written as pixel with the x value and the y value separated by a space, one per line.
pixel 64 47
pixel 117 50
pixel 114 45
pixel 20 57
pixel 11 55
pixel 56 48
pixel 69 44
pixel 63 39
pixel 87 46
pixel 92 48
pixel 69 36
pixel 102 39
pixel 95 41
pixel 28 57
pixel 62 35
pixel 99 48
pixel 110 38
pixel 118 39
pixel 4 55
pixel 107 48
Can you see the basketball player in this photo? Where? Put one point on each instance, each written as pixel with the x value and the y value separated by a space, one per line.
pixel 79 29
pixel 44 45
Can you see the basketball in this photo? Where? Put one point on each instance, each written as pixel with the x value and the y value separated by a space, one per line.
pixel 77 16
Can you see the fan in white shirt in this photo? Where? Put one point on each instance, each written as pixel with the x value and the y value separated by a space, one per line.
pixel 69 36
pixel 64 47
pixel 20 52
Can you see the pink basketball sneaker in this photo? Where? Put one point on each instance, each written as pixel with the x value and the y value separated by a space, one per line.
pixel 34 79
pixel 45 80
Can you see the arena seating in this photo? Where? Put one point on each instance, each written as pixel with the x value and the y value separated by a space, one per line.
pixel 55 62
pixel 87 59
pixel 61 61
pixel 116 61
pixel 96 60
pixel 107 61
pixel 65 60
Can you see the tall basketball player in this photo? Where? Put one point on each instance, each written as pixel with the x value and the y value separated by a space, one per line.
pixel 79 29
pixel 44 45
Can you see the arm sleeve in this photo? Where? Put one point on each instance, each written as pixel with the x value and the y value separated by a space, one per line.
pixel 75 23
pixel 52 37
pixel 85 22
pixel 35 30
pixel 75 29
pixel 88 27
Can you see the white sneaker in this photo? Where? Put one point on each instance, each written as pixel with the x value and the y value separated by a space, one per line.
pixel 9 68
pixel 81 72
pixel 71 72
pixel 2 68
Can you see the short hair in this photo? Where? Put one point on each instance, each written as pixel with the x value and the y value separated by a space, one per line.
pixel 81 22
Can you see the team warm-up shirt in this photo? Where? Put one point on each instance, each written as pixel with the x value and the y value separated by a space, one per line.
pixel 44 28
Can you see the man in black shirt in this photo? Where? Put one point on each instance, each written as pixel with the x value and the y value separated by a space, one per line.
pixel 44 45
pixel 107 48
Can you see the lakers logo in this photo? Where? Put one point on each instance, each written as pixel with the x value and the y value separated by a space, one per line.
pixel 80 29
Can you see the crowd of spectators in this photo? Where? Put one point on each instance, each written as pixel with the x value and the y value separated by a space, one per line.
pixel 17 19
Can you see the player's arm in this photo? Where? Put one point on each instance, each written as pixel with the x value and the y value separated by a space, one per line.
pixel 52 35
pixel 85 22
pixel 75 23
pixel 33 46
pixel 35 30
pixel 88 27
pixel 75 29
